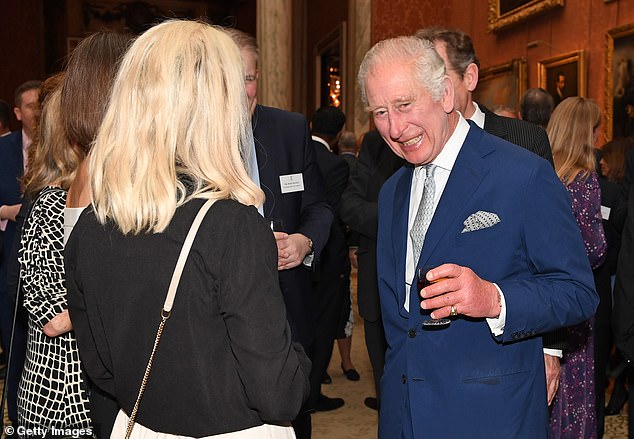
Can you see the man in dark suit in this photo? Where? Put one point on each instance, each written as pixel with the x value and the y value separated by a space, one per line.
pixel 287 172
pixel 623 309
pixel 456 49
pixel 504 267
pixel 359 210
pixel 334 267
pixel 13 150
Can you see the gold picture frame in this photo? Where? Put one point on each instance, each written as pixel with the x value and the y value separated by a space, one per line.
pixel 505 13
pixel 571 66
pixel 502 85
pixel 619 82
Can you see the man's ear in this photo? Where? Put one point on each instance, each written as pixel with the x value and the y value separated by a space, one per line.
pixel 18 113
pixel 470 77
pixel 448 96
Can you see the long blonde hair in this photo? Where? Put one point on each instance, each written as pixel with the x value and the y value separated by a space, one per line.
pixel 571 133
pixel 176 127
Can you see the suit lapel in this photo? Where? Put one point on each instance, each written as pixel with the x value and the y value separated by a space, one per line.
pixel 465 178
pixel 266 168
pixel 400 236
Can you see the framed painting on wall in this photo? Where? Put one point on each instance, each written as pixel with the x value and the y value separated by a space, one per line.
pixel 505 13
pixel 563 76
pixel 502 86
pixel 619 87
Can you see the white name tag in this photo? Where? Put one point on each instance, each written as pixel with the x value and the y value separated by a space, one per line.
pixel 605 212
pixel 291 183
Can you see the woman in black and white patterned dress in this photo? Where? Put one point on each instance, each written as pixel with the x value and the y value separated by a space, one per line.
pixel 52 393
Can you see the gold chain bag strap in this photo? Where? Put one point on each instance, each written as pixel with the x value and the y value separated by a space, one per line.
pixel 167 306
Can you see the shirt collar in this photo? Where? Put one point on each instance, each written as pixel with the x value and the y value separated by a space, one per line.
pixel 447 157
pixel 322 141
pixel 26 140
pixel 478 116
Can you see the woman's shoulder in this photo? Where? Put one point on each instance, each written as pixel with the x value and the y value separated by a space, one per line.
pixel 50 201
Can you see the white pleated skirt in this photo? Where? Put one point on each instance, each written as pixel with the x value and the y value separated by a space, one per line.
pixel 265 431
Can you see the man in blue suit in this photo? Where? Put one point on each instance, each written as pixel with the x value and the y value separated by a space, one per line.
pixel 506 256
pixel 287 171
pixel 13 149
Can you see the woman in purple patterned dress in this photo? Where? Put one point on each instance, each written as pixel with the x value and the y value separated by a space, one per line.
pixel 573 130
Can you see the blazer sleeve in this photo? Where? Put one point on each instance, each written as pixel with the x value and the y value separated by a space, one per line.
pixel 316 214
pixel 41 265
pixel 274 371
pixel 357 210
pixel 623 310
pixel 89 329
pixel 561 291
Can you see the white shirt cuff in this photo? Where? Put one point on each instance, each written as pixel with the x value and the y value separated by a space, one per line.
pixel 308 260
pixel 554 352
pixel 497 325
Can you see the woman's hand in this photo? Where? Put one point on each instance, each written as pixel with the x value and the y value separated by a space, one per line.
pixel 58 325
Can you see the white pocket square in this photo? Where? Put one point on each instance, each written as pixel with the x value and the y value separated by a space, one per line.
pixel 480 220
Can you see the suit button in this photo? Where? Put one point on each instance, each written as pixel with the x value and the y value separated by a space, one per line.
pixel 411 333
pixel 404 378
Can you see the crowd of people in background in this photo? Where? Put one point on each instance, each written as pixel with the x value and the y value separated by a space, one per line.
pixel 522 222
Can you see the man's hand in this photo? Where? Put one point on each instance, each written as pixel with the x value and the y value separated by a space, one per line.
pixel 9 212
pixel 291 249
pixel 553 372
pixel 457 286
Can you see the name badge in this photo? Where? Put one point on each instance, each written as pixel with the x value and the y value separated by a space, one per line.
pixel 605 212
pixel 291 183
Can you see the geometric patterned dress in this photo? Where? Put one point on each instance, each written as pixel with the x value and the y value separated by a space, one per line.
pixel 52 391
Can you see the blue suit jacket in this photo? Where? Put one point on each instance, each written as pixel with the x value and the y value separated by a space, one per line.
pixel 461 381
pixel 11 169
pixel 284 146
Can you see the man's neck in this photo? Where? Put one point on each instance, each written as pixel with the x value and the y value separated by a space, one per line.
pixel 469 110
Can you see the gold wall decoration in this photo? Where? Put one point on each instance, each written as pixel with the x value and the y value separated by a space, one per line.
pixel 502 85
pixel 505 13
pixel 619 82
pixel 569 70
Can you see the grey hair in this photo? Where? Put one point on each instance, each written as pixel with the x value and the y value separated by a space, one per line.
pixel 428 66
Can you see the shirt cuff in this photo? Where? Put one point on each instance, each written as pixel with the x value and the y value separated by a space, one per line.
pixel 308 260
pixel 497 325
pixel 554 352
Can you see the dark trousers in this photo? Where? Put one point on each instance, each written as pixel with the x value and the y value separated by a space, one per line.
pixel 18 351
pixel 103 410
pixel 329 298
pixel 602 341
pixel 376 345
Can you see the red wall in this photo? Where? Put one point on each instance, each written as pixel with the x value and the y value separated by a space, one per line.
pixel 580 24
pixel 21 46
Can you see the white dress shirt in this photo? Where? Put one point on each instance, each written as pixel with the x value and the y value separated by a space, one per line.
pixel 444 164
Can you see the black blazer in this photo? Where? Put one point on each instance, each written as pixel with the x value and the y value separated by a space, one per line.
pixel 334 259
pixel 283 146
pixel 359 209
pixel 519 132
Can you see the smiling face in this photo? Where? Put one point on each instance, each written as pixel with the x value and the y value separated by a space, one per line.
pixel 414 125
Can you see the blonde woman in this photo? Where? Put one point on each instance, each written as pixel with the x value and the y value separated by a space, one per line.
pixel 175 133
pixel 573 130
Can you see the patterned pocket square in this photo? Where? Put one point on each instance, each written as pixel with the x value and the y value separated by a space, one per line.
pixel 480 220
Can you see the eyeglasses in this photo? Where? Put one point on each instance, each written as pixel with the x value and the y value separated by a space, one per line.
pixel 250 78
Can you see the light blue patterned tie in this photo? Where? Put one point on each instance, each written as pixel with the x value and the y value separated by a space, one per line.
pixel 425 211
